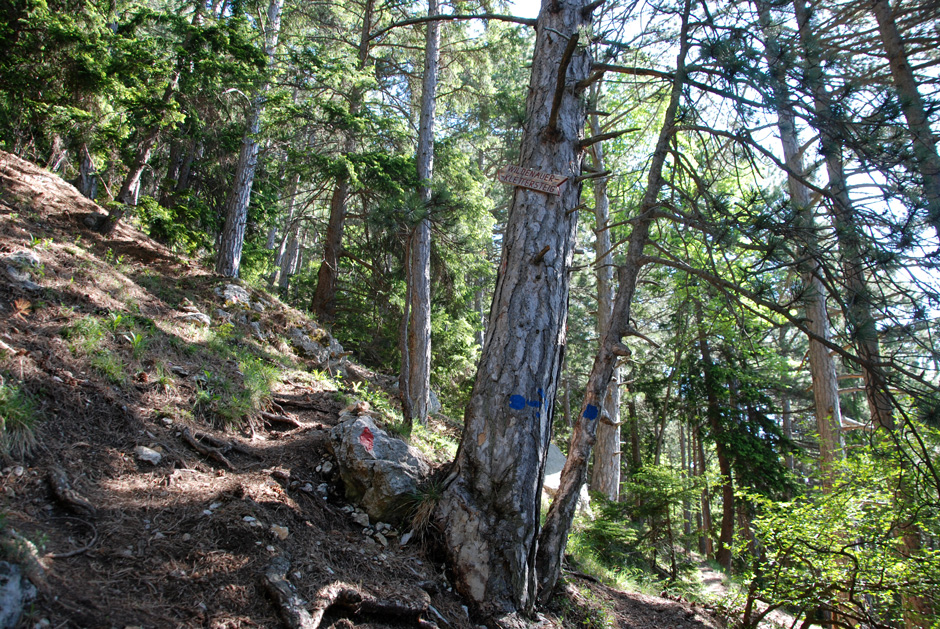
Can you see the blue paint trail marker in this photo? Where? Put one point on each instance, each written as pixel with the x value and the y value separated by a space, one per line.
pixel 517 402
pixel 591 412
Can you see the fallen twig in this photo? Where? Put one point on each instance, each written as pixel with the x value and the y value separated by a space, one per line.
pixel 78 551
pixel 213 453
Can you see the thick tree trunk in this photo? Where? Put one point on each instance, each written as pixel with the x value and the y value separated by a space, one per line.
pixel 323 304
pixel 912 104
pixel 554 536
pixel 490 509
pixel 605 475
pixel 415 380
pixel 236 208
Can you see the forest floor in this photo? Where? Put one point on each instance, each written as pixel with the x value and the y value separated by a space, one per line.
pixel 100 346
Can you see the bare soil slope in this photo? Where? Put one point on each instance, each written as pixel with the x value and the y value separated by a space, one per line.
pixel 99 343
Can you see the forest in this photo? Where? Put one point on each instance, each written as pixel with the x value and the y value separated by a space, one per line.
pixel 693 243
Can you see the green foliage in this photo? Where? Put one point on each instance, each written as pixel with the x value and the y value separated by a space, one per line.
pixel 18 417
pixel 85 335
pixel 853 550
pixel 233 398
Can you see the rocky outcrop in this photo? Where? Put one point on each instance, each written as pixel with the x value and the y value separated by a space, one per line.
pixel 380 472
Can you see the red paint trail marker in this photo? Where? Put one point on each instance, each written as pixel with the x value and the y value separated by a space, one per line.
pixel 366 438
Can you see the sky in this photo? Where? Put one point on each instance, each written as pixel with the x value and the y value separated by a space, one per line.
pixel 525 8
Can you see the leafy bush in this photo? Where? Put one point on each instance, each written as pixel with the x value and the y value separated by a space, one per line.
pixel 863 552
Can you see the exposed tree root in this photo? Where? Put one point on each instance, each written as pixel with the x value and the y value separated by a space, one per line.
pixel 216 454
pixel 62 490
pixel 397 602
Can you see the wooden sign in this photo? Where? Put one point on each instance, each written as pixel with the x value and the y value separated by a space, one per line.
pixel 532 179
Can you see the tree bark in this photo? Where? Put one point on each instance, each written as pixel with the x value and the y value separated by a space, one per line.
pixel 822 366
pixel 713 413
pixel 236 208
pixel 912 104
pixel 490 509
pixel 323 304
pixel 605 475
pixel 554 536
pixel 415 379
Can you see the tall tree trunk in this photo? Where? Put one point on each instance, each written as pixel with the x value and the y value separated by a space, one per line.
pixel 323 304
pixel 554 536
pixel 490 509
pixel 282 265
pixel 236 208
pixel 822 366
pixel 415 378
pixel 705 545
pixel 685 458
pixel 713 412
pixel 88 178
pixel 912 104
pixel 605 475
pixel 131 183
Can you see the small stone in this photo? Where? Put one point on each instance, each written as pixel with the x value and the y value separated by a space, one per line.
pixel 307 488
pixel 360 518
pixel 167 421
pixel 270 549
pixel 147 454
pixel 18 470
pixel 158 535
pixel 323 489
pixel 206 512
pixel 279 531
pixel 381 539
pixel 327 467
pixel 249 519
pixel 405 538
pixel 187 537
pixel 215 505
pixel 319 468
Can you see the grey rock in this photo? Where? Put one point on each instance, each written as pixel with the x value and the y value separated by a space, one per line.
pixel 380 472
pixel 15 592
pixel 434 403
pixel 257 332
pixel 234 294
pixel 17 275
pixel 257 306
pixel 308 347
pixel 24 258
pixel 146 454
pixel 360 518
pixel 196 317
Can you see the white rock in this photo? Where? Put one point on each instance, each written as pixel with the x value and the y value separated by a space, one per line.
pixel 279 531
pixel 146 454
pixel 406 538
pixel 326 468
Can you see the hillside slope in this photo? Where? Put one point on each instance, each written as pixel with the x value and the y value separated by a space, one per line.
pixel 165 456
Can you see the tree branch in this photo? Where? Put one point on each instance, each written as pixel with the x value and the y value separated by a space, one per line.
pixel 454 18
